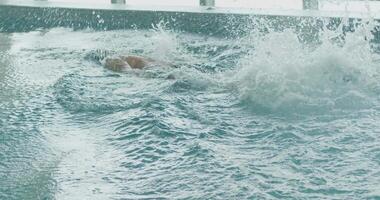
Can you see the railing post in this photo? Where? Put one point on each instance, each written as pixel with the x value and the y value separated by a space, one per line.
pixel 310 4
pixel 209 3
pixel 118 1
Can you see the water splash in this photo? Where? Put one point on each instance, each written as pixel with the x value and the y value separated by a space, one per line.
pixel 282 74
pixel 166 45
pixel 164 41
pixel 271 70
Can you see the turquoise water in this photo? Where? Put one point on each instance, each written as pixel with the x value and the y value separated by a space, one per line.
pixel 264 116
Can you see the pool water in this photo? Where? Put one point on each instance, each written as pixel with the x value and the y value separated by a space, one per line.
pixel 263 116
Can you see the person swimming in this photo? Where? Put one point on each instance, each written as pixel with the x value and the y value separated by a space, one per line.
pixel 123 63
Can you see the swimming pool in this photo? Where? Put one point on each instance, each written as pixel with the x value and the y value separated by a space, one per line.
pixel 263 116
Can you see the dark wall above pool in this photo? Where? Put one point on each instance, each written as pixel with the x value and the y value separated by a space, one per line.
pixel 28 16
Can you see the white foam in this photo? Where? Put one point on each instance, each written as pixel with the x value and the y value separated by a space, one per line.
pixel 283 74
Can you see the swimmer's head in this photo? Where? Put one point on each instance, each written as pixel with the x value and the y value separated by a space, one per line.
pixel 116 64
pixel 135 62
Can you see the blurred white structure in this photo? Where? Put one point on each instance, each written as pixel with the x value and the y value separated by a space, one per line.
pixel 327 5
pixel 258 4
pixel 350 5
pixel 261 4
pixel 163 2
